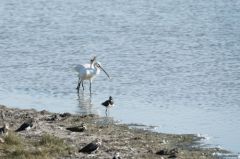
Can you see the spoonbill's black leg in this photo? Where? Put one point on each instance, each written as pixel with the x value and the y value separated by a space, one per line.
pixel 78 86
pixel 90 88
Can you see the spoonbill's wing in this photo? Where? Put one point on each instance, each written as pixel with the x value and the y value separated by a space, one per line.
pixel 81 68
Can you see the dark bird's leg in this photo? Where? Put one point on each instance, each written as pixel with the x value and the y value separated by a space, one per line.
pixel 106 112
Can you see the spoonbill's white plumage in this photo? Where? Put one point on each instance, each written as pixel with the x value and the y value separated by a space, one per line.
pixel 89 72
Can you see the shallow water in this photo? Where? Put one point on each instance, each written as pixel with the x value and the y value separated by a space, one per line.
pixel 174 64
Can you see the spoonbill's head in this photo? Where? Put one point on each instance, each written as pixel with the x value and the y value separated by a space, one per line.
pixel 93 60
pixel 98 65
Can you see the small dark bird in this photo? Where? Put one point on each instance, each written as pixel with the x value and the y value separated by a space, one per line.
pixel 65 115
pixel 80 128
pixel 4 129
pixel 92 147
pixel 116 156
pixel 27 125
pixel 108 103
pixel 171 152
pixel 53 117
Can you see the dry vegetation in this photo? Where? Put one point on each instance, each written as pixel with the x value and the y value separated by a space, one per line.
pixel 46 147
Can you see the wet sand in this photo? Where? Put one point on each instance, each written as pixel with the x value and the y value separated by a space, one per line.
pixel 127 141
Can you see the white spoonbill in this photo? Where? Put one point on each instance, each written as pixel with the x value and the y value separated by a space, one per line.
pixel 89 72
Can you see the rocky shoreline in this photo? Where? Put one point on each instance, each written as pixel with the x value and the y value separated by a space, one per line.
pixel 61 136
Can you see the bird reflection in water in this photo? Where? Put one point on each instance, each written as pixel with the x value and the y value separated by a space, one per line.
pixel 85 104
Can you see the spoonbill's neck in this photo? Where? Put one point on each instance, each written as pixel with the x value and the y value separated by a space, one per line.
pixel 92 65
pixel 97 70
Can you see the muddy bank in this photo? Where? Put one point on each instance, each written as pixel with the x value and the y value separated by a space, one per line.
pixel 62 136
